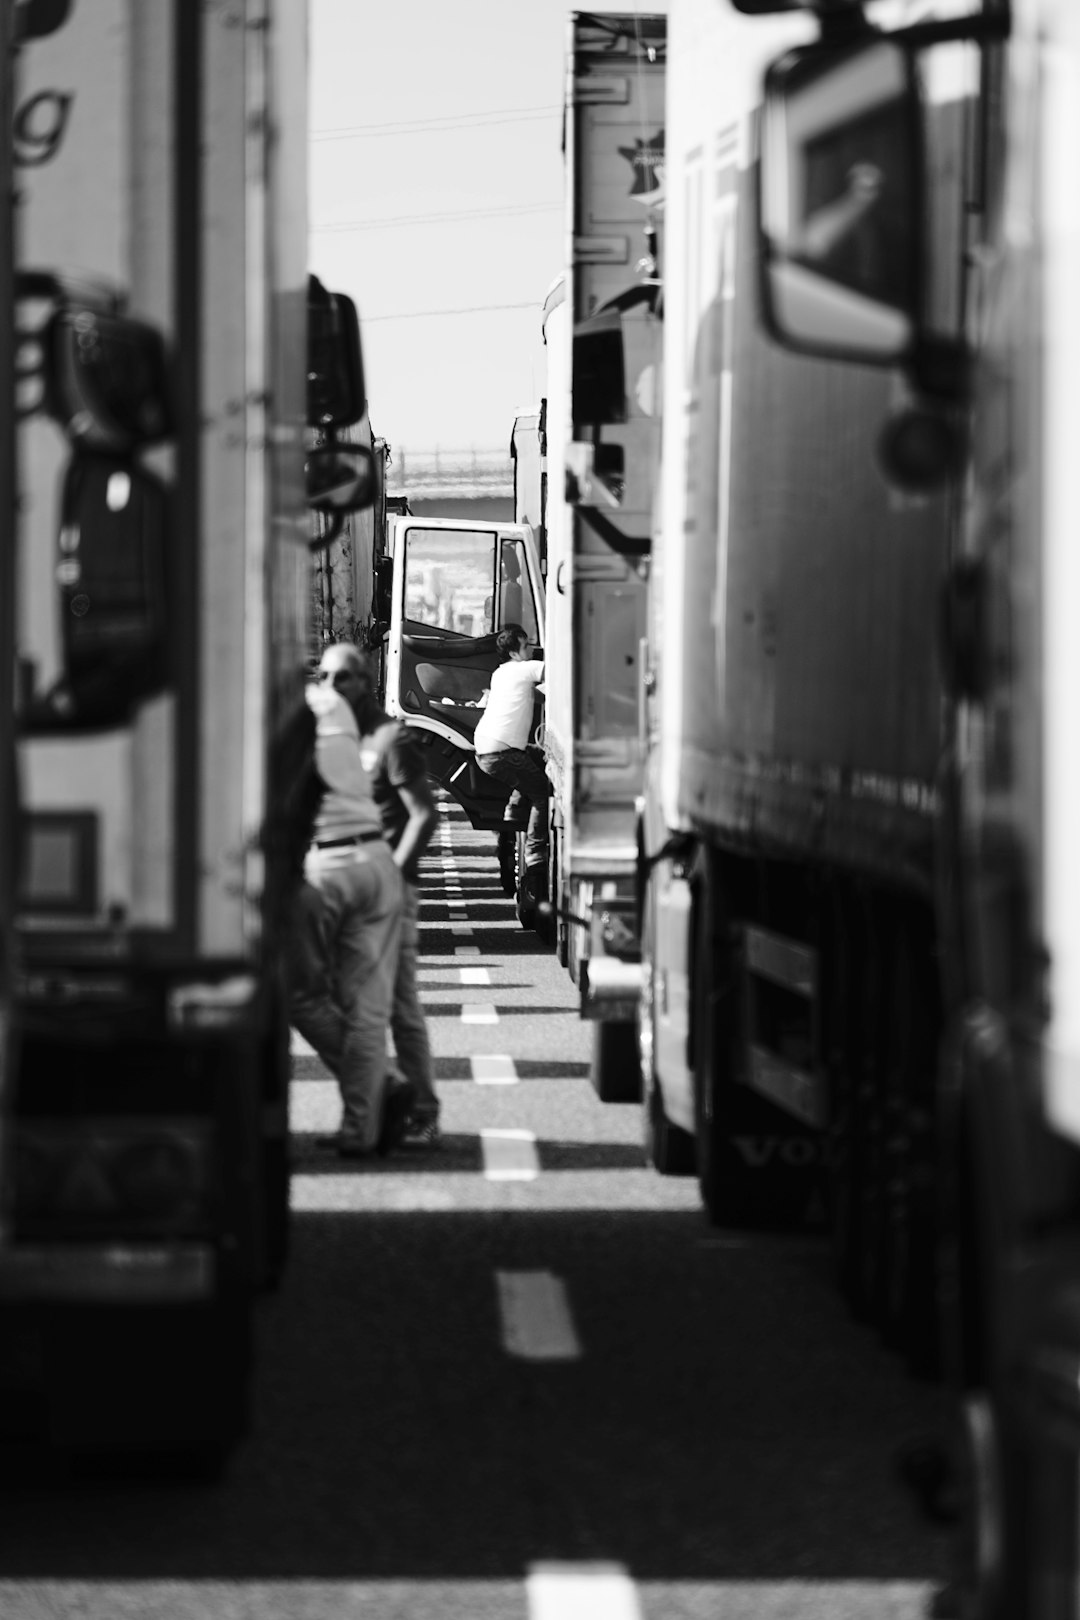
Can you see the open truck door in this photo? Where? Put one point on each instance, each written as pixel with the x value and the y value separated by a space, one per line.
pixel 454 587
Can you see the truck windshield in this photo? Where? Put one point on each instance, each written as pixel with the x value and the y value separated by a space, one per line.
pixel 450 580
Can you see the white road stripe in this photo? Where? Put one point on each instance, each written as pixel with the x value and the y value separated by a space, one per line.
pixel 135 1599
pixel 479 1012
pixel 581 1592
pixel 536 1320
pixel 475 975
pixel 463 929
pixel 494 1069
pixel 509 1155
pixel 466 950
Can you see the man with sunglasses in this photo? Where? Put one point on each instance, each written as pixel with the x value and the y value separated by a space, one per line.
pixel 402 794
pixel 347 933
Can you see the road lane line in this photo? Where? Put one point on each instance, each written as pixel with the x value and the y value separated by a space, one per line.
pixel 494 1069
pixel 463 929
pixel 509 1155
pixel 475 975
pixel 466 950
pixel 479 1012
pixel 536 1320
pixel 581 1592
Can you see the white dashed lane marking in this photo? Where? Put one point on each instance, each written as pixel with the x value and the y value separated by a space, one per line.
pixel 479 1012
pixel 581 1592
pixel 494 1069
pixel 475 975
pixel 462 928
pixel 466 950
pixel 535 1317
pixel 509 1155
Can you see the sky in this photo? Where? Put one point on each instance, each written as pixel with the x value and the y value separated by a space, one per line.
pixel 421 110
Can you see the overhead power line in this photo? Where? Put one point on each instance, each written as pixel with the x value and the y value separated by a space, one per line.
pixel 467 309
pixel 416 126
pixel 502 211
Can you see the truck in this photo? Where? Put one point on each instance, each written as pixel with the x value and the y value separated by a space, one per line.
pixel 175 388
pixel 856 840
pixel 586 461
pixel 602 331
pixel 444 589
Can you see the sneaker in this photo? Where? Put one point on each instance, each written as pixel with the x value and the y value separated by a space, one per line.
pixel 421 1132
pixel 400 1102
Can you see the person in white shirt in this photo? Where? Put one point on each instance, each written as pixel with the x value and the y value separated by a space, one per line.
pixel 502 735
pixel 347 930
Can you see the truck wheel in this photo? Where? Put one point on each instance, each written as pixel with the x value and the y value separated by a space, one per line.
pixel 909 1318
pixel 507 855
pixel 158 1393
pixel 275 1155
pixel 842 1161
pixel 868 1131
pixel 668 1148
pixel 615 1069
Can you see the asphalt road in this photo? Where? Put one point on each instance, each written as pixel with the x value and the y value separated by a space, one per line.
pixel 519 1378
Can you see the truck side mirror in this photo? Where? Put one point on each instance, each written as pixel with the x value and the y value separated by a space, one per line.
pixel 842 201
pixel 35 19
pixel 599 372
pixel 336 395
pixel 111 568
pixel 340 478
pixel 105 379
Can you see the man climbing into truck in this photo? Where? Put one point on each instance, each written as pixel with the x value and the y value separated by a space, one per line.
pixel 501 740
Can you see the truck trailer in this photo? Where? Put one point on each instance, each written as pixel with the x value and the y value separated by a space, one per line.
pixel 177 384
pixel 857 836
pixel 593 480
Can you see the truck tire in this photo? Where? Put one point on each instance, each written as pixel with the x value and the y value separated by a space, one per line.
pixel 908 1302
pixel 506 849
pixel 275 1154
pixel 157 1393
pixel 615 1068
pixel 668 1148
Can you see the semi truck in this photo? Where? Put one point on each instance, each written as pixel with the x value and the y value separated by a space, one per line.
pixel 444 589
pixel 178 385
pixel 857 871
pixel 602 332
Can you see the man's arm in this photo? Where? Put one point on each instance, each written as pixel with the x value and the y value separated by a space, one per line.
pixel 415 795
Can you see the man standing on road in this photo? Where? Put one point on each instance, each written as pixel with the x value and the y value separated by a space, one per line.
pixel 402 795
pixel 346 933
pixel 501 742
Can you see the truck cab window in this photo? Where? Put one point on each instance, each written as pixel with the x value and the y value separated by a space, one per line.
pixel 450 581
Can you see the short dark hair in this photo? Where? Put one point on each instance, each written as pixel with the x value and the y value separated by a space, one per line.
pixel 511 638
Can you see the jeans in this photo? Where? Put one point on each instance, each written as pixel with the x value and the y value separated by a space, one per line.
pixel 530 782
pixel 343 963
pixel 407 1022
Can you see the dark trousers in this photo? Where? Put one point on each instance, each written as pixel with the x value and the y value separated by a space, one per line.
pixel 522 772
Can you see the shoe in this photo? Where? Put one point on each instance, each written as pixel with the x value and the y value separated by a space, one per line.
pixel 421 1132
pixel 400 1102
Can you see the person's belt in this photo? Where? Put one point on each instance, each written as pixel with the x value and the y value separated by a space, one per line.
pixel 339 843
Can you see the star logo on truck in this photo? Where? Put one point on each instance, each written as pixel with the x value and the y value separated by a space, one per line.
pixel 646 158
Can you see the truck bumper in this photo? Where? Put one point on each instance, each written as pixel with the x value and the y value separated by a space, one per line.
pixel 107 1274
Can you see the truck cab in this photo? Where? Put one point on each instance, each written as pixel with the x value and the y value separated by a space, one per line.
pixel 453 586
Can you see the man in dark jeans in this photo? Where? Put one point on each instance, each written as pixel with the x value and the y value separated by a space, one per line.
pixel 501 741
pixel 395 768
